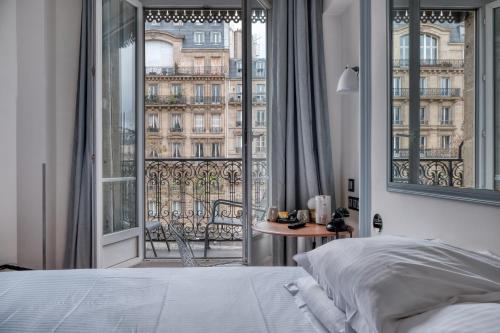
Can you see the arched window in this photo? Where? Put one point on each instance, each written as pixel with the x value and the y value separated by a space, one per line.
pixel 428 48
pixel 159 56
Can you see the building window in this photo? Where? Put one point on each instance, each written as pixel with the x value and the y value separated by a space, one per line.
pixel 445 83
pixel 199 123
pixel 216 123
pixel 445 115
pixel 176 208
pixel 423 85
pixel 260 144
pixel 154 153
pixel 176 89
pixel 404 48
pixel 260 69
pixel 176 122
pixel 445 142
pixel 215 149
pixel 396 115
pixel 152 211
pixel 199 92
pixel 153 121
pixel 176 150
pixel 199 208
pixel 423 116
pixel 239 118
pixel 239 67
pixel 199 37
pixel 238 144
pixel 198 149
pixel 216 98
pixel 260 116
pixel 423 145
pixel 396 146
pixel 152 90
pixel 396 86
pixel 428 49
pixel 215 37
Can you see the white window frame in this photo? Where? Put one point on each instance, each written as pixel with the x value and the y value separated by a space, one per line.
pixel 199 38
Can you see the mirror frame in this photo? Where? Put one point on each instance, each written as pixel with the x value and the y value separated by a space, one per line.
pixel 479 196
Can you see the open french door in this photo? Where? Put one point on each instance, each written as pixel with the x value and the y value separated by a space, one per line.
pixel 119 92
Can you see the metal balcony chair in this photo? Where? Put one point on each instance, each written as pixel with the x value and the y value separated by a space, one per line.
pixel 185 250
pixel 155 226
pixel 220 220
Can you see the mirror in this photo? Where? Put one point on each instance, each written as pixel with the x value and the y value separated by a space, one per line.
pixel 439 133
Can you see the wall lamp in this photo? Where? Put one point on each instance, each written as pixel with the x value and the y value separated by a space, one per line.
pixel 349 80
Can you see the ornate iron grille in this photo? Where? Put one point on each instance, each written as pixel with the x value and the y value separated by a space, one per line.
pixel 202 15
pixel 184 191
pixel 438 172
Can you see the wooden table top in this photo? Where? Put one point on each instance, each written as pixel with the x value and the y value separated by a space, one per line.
pixel 281 229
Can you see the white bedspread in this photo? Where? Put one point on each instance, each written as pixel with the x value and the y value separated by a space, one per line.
pixel 223 299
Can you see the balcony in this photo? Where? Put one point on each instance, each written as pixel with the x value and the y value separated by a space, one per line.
pixel 451 153
pixel 184 190
pixel 235 98
pixel 257 98
pixel 446 122
pixel 431 63
pixel 428 93
pixel 207 100
pixel 176 129
pixel 216 130
pixel 153 130
pixel 186 71
pixel 199 129
pixel 437 172
pixel 165 100
pixel 260 124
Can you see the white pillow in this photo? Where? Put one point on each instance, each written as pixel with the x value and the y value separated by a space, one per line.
pixel 378 280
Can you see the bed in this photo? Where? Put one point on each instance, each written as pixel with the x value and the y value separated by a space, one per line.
pixel 216 299
pixel 372 285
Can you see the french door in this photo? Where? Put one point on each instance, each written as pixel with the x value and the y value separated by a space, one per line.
pixel 119 229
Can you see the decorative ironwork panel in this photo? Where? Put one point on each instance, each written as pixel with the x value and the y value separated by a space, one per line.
pixel 202 15
pixel 437 172
pixel 183 191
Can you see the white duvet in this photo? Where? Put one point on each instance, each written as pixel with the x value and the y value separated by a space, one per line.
pixel 176 300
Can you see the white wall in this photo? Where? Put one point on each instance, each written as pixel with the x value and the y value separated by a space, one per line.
pixel 40 65
pixel 8 142
pixel 468 225
pixel 341 37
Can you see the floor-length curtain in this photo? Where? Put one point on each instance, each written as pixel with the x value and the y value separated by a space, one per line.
pixel 301 145
pixel 79 249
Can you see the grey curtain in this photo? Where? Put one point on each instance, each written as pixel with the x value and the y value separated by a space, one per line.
pixel 79 249
pixel 301 145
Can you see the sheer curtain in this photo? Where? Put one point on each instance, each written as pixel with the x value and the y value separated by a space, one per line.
pixel 301 145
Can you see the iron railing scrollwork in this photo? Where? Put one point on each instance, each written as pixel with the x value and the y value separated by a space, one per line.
pixel 437 172
pixel 183 190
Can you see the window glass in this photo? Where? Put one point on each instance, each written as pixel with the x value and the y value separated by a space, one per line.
pixel 445 153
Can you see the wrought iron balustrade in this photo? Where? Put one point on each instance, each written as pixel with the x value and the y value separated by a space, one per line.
pixel 165 100
pixel 183 190
pixel 186 70
pixel 428 92
pixel 176 129
pixel 451 153
pixel 207 100
pixel 153 129
pixel 447 63
pixel 438 172
pixel 215 130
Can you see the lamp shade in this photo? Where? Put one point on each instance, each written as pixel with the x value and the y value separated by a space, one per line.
pixel 349 80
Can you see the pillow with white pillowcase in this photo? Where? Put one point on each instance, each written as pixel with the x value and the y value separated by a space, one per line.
pixel 377 281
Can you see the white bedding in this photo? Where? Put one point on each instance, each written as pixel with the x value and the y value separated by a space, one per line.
pixel 223 299
pixel 463 318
